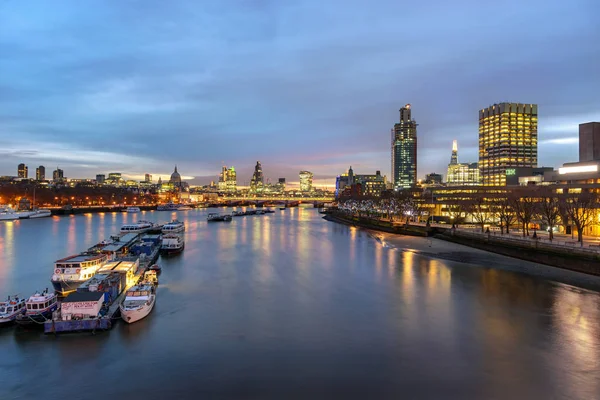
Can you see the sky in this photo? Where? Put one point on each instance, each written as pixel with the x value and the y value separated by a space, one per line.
pixel 139 86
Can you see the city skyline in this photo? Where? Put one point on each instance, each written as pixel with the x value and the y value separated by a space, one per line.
pixel 318 94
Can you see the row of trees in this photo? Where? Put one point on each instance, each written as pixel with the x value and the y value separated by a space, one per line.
pixel 543 205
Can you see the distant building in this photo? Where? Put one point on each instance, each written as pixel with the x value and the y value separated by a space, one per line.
pixel 433 179
pixel 147 178
pixel 58 175
pixel 404 151
pixel 22 171
pixel 257 182
pixel 306 181
pixel 465 174
pixel 227 179
pixel 100 178
pixel 175 180
pixel 114 179
pixel 40 173
pixel 507 139
pixel 589 141
pixel 364 185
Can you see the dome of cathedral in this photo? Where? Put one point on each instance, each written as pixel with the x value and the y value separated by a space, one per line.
pixel 175 177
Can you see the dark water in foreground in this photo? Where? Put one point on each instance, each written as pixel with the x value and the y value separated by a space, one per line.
pixel 288 305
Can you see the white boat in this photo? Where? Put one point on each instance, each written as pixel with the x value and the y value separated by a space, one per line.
pixel 171 244
pixel 71 272
pixel 40 214
pixel 138 302
pixel 133 209
pixel 8 216
pixel 184 208
pixel 174 226
pixel 39 309
pixel 138 227
pixel 10 308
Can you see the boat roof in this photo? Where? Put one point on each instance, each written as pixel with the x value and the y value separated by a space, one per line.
pixel 81 258
pixel 118 266
pixel 151 237
pixel 139 287
pixel 83 296
pixel 123 241
pixel 40 297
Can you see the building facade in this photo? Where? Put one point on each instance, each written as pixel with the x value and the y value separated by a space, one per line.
pixel 433 179
pixel 40 173
pixel 22 171
pixel 257 182
pixel 147 178
pixel 589 141
pixel 465 174
pixel 306 181
pixel 404 151
pixel 508 138
pixel 227 179
pixel 58 175
pixel 100 178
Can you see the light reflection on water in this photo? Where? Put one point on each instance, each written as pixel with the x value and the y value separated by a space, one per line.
pixel 288 304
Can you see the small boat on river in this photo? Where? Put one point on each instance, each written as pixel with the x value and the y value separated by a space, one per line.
pixel 133 209
pixel 39 309
pixel 10 309
pixel 138 227
pixel 174 226
pixel 214 217
pixel 138 302
pixel 172 244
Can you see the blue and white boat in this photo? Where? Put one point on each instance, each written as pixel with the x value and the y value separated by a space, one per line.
pixel 38 309
pixel 10 308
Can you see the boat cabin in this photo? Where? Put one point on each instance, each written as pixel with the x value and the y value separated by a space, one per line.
pixel 39 303
pixel 11 306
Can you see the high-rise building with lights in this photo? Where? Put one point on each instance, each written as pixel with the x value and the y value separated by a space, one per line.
pixel 227 179
pixel 404 151
pixel 147 178
pixel 58 175
pixel 40 173
pixel 461 174
pixel 306 180
pixel 22 171
pixel 257 182
pixel 507 139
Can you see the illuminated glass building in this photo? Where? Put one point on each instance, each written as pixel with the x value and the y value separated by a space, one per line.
pixel 404 151
pixel 22 171
pixel 507 139
pixel 465 174
pixel 306 178
pixel 40 173
pixel 257 182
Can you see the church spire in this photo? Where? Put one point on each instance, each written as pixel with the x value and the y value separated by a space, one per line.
pixel 175 167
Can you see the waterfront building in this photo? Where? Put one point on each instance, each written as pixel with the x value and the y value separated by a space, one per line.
pixel 40 173
pixel 306 180
pixel 22 171
pixel 507 139
pixel 364 185
pixel 257 182
pixel 461 174
pixel 100 178
pixel 589 141
pixel 433 179
pixel 404 151
pixel 147 178
pixel 58 175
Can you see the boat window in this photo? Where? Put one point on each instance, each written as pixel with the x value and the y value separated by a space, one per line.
pixel 2 309
pixel 34 306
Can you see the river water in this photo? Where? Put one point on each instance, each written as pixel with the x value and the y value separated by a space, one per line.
pixel 288 305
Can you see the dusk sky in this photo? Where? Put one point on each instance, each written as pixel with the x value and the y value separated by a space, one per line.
pixel 139 86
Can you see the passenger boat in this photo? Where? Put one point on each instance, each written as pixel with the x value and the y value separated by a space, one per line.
pixel 38 309
pixel 133 209
pixel 71 272
pixel 8 214
pixel 174 226
pixel 184 208
pixel 214 217
pixel 10 309
pixel 138 302
pixel 172 244
pixel 138 227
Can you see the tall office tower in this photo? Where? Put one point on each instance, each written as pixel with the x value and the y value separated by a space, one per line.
pixel 257 181
pixel 40 173
pixel 589 141
pixel 148 178
pixel 454 156
pixel 404 151
pixel 222 185
pixel 306 178
pixel 507 139
pixel 100 178
pixel 58 175
pixel 231 182
pixel 22 171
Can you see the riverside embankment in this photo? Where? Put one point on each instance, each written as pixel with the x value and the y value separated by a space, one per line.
pixel 573 258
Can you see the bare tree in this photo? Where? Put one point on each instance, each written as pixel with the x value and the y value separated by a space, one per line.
pixel 479 210
pixel 524 205
pixel 549 208
pixel 506 214
pixel 580 209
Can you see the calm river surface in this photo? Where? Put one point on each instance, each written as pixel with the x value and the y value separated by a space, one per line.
pixel 288 305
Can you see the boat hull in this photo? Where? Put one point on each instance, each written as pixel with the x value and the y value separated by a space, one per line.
pixel 171 251
pixel 131 316
pixel 37 320
pixel 63 288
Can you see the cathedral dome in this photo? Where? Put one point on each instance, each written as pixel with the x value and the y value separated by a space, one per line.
pixel 175 177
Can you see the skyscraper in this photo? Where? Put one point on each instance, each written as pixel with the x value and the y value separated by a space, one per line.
pixel 454 156
pixel 404 150
pixel 257 181
pixel 40 173
pixel 306 178
pixel 58 175
pixel 22 171
pixel 507 139
pixel 231 182
pixel 148 178
pixel 460 174
pixel 589 141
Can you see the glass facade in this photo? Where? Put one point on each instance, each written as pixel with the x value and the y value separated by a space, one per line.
pixel 507 139
pixel 404 151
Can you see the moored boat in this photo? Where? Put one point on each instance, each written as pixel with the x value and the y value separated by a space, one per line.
pixel 137 227
pixel 133 209
pixel 167 207
pixel 71 272
pixel 237 214
pixel 172 244
pixel 10 309
pixel 138 303
pixel 174 226
pixel 214 217
pixel 40 214
pixel 38 309
pixel 156 268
